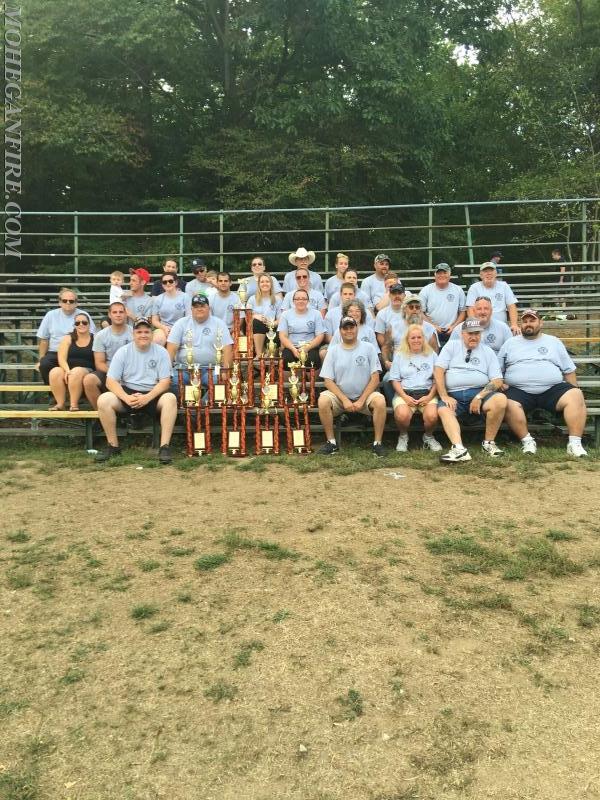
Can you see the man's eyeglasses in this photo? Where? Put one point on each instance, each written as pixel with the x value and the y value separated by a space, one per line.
pixel 301 277
pixel 165 283
pixel 468 356
pixel 70 302
pixel 79 322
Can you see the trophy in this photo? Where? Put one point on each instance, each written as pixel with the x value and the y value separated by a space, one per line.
pixel 188 343
pixel 298 437
pixel 267 439
pixel 303 354
pixel 271 346
pixel 234 382
pixel 293 381
pixel 218 352
pixel 242 344
pixel 243 292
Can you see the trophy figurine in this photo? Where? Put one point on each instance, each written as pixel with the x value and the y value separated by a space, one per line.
pixel 243 292
pixel 303 354
pixel 267 438
pixel 244 393
pixel 271 346
pixel 218 352
pixel 293 381
pixel 189 347
pixel 234 382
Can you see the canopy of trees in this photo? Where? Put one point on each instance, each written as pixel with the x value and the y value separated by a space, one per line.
pixel 277 103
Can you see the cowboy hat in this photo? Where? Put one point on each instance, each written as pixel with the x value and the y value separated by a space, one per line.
pixel 302 252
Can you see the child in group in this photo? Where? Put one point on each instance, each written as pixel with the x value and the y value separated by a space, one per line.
pixel 116 291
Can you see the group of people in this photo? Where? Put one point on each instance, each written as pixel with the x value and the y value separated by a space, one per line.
pixel 440 353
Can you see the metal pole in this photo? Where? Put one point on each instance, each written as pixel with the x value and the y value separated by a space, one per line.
pixel 221 239
pixel 469 237
pixel 75 243
pixel 327 241
pixel 430 216
pixel 181 242
pixel 584 247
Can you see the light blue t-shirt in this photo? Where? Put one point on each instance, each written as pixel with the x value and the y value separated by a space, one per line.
pixel 350 369
pixel 442 306
pixel 374 288
pixel 494 335
pixel 500 295
pixel 365 334
pixel 335 299
pixel 222 307
pixel 481 368
pixel 140 306
pixel 332 285
pixel 204 337
pixel 265 307
pixel 171 308
pixel 386 318
pixel 397 325
pixel 251 284
pixel 108 342
pixel 55 325
pixel 315 299
pixel 200 287
pixel 138 369
pixel 314 279
pixel 301 327
pixel 415 371
pixel 535 365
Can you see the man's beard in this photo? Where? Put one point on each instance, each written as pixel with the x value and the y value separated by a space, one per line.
pixel 529 334
pixel 414 319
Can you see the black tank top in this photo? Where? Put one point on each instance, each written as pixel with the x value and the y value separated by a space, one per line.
pixel 81 356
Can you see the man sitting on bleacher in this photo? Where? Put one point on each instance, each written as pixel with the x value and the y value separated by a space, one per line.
pixel 106 343
pixel 539 373
pixel 56 324
pixel 504 302
pixel 138 382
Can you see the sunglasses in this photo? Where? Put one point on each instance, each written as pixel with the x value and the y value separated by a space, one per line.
pixel 301 277
pixel 81 322
pixel 165 283
pixel 468 356
pixel 70 302
pixel 414 305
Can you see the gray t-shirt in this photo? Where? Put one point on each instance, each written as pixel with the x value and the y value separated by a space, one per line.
pixel 200 287
pixel 335 299
pixel 388 319
pixel 204 337
pixel 170 308
pixel 140 306
pixel 138 369
pixel 289 281
pixel 315 299
pixel 494 335
pixel 222 307
pixel 251 286
pixel 501 296
pixel 414 371
pixel 265 307
pixel 535 365
pixel 350 369
pixel 481 368
pixel 55 325
pixel 365 334
pixel 332 285
pixel 301 327
pixel 442 306
pixel 108 342
pixel 374 288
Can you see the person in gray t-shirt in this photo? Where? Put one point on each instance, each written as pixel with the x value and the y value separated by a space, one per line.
pixel 468 380
pixel 105 345
pixel 138 381
pixel 224 301
pixel 351 375
pixel 494 332
pixel 504 302
pixel 539 373
pixel 443 303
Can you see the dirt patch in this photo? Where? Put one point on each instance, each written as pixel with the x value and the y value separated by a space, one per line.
pixel 233 634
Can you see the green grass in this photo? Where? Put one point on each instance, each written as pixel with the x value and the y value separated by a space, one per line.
pixel 560 536
pixel 144 611
pixel 352 705
pixel 18 537
pixel 234 540
pixel 72 675
pixel 149 565
pixel 212 561
pixel 244 655
pixel 221 690
pixel 589 615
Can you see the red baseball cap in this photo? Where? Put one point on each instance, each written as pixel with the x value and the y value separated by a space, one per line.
pixel 142 273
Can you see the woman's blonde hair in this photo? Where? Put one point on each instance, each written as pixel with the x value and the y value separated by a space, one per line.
pixel 403 347
pixel 259 295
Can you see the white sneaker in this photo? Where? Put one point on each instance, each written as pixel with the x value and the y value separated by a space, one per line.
pixel 402 445
pixel 492 449
pixel 529 447
pixel 455 454
pixel 576 450
pixel 431 443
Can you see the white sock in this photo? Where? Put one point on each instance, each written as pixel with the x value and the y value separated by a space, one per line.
pixel 376 442
pixel 332 441
pixel 527 438
pixel 574 439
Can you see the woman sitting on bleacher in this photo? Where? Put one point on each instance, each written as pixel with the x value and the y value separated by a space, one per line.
pixel 75 360
pixel 265 306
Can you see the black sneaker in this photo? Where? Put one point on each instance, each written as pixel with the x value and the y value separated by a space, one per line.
pixel 328 449
pixel 378 450
pixel 164 454
pixel 110 452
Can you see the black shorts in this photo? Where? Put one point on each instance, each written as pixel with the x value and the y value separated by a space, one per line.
pixel 546 400
pixel 313 359
pixel 101 377
pixel 150 410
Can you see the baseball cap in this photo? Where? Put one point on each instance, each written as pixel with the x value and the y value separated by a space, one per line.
pixel 382 257
pixel 472 326
pixel 487 265
pixel 142 321
pixel 141 272
pixel 530 312
pixel 345 322
pixel 397 288
pixel 200 300
pixel 442 267
pixel 411 298
pixel 198 265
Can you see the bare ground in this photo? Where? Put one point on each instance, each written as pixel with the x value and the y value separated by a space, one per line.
pixel 262 635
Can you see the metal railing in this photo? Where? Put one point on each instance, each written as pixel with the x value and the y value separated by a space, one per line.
pixel 413 235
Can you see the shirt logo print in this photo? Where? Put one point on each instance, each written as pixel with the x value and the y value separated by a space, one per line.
pixel 450 297
pixel 360 361
pixel 543 351
pixel 152 363
pixel 206 331
pixel 475 360
pixel 498 296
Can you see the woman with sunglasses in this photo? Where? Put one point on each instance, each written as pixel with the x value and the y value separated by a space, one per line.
pixel 412 378
pixel 168 307
pixel 56 323
pixel 75 360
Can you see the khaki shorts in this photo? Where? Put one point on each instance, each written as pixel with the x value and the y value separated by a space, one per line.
pixel 338 408
pixel 398 401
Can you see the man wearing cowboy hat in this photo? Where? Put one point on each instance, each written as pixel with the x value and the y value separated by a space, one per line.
pixel 302 258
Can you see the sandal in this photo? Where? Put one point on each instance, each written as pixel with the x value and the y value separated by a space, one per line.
pixel 56 408
pixel 73 408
